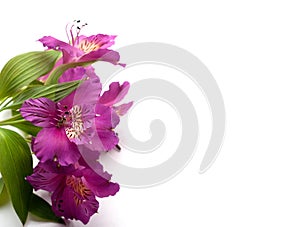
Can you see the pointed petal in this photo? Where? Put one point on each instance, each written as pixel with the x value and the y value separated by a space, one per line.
pixel 41 112
pixel 123 109
pixel 44 179
pixel 115 93
pixel 99 182
pixel 53 143
pixel 53 43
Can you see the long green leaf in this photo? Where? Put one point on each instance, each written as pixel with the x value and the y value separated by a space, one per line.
pixel 28 128
pixel 40 208
pixel 21 70
pixel 1 185
pixel 54 76
pixel 55 92
pixel 15 165
pixel 19 122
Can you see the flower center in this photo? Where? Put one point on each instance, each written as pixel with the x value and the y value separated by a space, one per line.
pixel 87 46
pixel 81 191
pixel 74 124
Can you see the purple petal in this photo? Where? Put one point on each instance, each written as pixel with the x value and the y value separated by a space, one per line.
pixel 89 90
pixel 72 74
pixel 41 112
pixel 106 117
pixel 44 179
pixel 122 109
pixel 108 139
pixel 101 55
pixel 87 44
pixel 71 54
pixel 53 43
pixel 73 200
pixel 104 140
pixel 101 186
pixel 115 93
pixel 53 143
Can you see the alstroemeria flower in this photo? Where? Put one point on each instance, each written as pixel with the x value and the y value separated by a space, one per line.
pixel 84 49
pixel 74 188
pixel 65 124
pixel 80 119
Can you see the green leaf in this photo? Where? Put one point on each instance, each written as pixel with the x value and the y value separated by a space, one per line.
pixel 54 76
pixel 14 119
pixel 1 185
pixel 4 197
pixel 23 69
pixel 15 165
pixel 40 208
pixel 27 127
pixel 55 92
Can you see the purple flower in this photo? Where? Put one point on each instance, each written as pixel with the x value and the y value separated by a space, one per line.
pixel 73 188
pixel 83 49
pixel 83 118
pixel 65 124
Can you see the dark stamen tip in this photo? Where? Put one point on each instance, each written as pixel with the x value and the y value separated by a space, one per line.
pixel 118 147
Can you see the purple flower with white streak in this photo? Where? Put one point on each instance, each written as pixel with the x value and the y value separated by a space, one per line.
pixel 65 124
pixel 73 188
pixel 83 118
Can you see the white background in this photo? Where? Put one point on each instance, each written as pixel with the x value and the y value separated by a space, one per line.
pixel 253 50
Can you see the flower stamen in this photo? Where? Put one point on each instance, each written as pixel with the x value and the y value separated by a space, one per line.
pixel 74 124
pixel 81 191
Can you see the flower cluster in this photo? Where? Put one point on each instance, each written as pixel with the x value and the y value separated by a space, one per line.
pixel 76 129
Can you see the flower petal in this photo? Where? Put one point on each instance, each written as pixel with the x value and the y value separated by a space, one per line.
pixel 99 41
pixel 43 178
pixel 108 139
pixel 104 140
pixel 72 74
pixel 100 183
pixel 70 204
pixel 122 109
pixel 53 43
pixel 106 117
pixel 89 90
pixel 53 143
pixel 41 112
pixel 115 93
pixel 101 55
